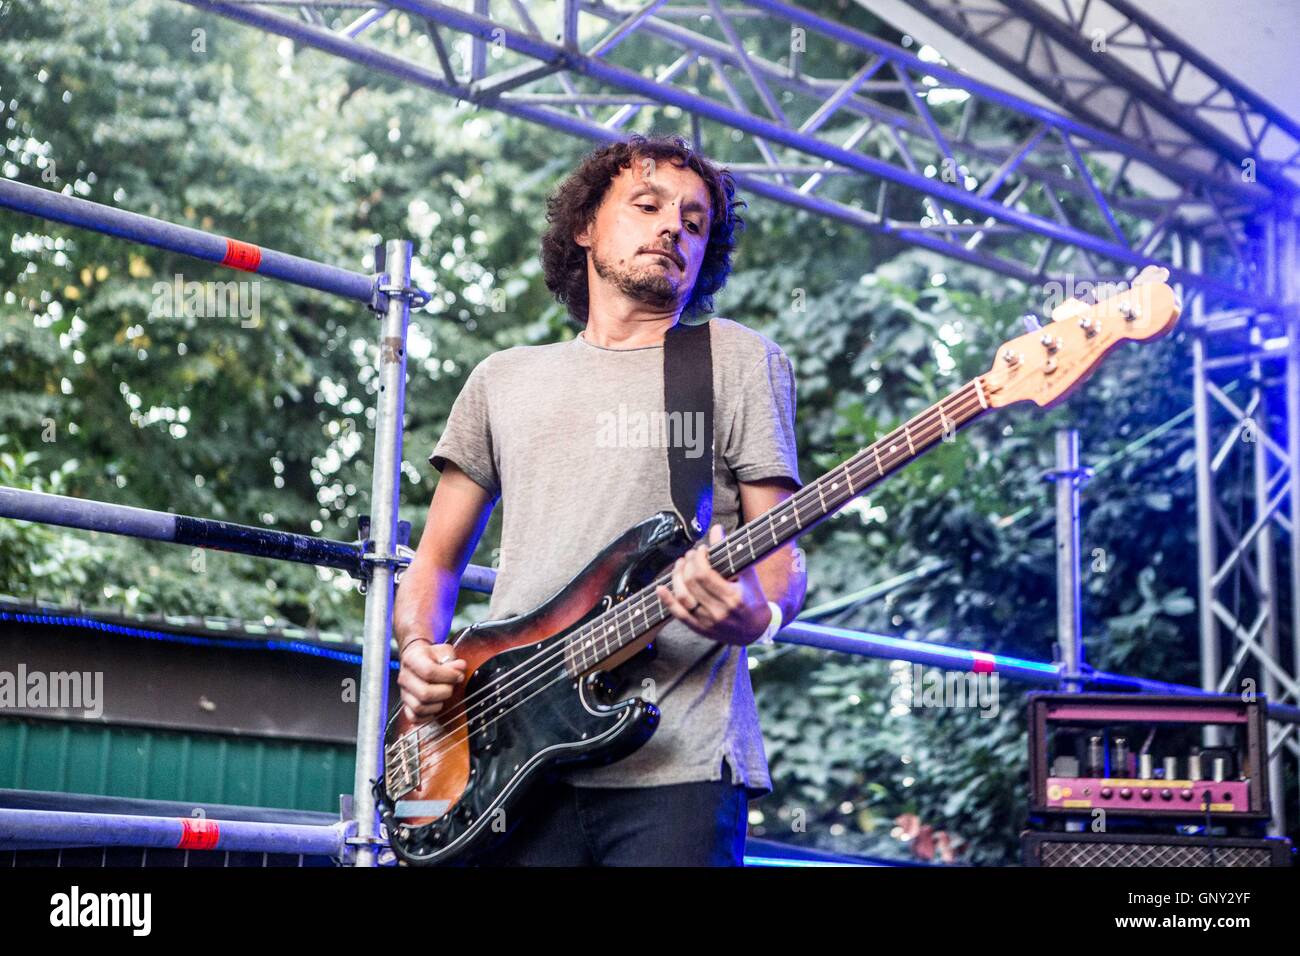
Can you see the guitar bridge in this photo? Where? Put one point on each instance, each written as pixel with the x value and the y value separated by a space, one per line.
pixel 402 766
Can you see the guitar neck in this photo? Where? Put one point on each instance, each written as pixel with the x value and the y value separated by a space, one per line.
pixel 622 625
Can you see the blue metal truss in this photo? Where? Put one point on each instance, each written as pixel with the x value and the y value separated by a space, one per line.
pixel 832 120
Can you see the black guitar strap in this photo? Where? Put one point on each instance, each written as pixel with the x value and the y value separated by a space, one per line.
pixel 688 400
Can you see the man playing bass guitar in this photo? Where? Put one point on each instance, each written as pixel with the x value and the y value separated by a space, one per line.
pixel 570 437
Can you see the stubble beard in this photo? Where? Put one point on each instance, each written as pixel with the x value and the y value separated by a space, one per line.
pixel 650 285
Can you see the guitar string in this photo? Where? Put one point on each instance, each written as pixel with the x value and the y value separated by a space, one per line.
pixel 918 428
pixel 794 503
pixel 921 421
pixel 432 747
pixel 427 740
pixel 430 739
pixel 580 636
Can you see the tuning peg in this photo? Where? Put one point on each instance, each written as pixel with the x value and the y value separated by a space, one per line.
pixel 1070 309
pixel 1151 274
pixel 1031 322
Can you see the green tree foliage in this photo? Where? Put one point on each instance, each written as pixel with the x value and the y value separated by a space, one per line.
pixel 198 121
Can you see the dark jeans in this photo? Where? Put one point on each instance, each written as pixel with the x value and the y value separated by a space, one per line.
pixel 685 824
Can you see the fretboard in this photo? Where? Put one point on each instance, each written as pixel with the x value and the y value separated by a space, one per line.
pixel 608 633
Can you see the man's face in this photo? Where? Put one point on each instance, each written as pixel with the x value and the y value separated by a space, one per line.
pixel 649 235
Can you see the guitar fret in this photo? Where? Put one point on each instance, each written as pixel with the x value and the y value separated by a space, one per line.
pixel 604 636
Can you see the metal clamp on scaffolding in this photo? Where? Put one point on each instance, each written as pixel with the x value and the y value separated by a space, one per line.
pixel 1080 475
pixel 385 288
pixel 348 849
pixel 369 557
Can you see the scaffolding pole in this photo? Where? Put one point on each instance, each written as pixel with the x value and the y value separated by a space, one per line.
pixel 1069 478
pixel 209 247
pixel 21 504
pixel 384 497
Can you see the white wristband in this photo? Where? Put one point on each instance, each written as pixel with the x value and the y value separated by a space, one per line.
pixel 769 636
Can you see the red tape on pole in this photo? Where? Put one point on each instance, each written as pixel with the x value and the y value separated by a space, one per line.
pixel 242 255
pixel 198 834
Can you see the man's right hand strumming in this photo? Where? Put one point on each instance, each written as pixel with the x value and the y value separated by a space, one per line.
pixel 426 597
pixel 427 677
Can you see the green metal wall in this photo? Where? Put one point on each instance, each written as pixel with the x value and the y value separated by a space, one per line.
pixel 168 765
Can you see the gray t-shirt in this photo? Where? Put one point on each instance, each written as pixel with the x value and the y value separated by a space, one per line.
pixel 572 438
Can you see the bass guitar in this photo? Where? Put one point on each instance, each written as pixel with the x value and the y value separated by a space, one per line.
pixel 537 694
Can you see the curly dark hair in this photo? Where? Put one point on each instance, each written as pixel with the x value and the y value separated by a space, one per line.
pixel 574 203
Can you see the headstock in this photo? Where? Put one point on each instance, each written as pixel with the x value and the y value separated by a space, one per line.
pixel 1046 365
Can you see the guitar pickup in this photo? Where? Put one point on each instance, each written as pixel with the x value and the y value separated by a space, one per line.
pixel 485 727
